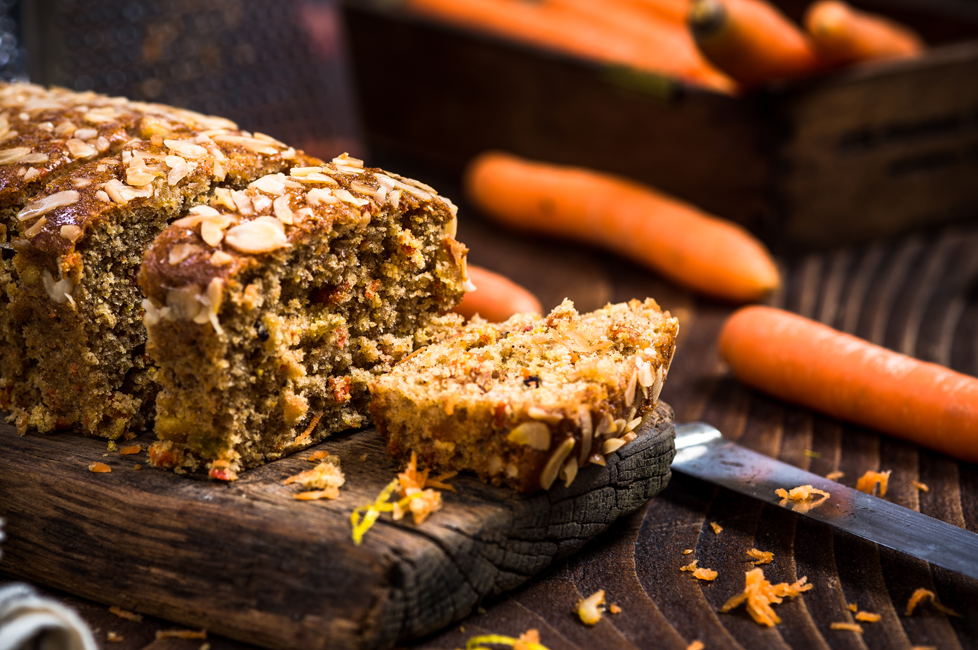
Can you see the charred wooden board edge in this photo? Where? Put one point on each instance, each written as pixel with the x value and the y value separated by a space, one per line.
pixel 247 561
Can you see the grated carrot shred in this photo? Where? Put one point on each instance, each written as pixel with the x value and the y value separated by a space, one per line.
pixel 614 609
pixel 705 574
pixel 851 627
pixel 853 607
pixel 303 437
pixel 121 613
pixel 687 551
pixel 802 497
pixel 99 468
pixel 835 476
pixel 920 596
pixel 695 645
pixel 920 486
pixel 717 528
pixel 129 450
pixel 529 640
pixel 867 482
pixel 181 634
pixel 868 617
pixel 317 455
pixel 761 557
pixel 759 594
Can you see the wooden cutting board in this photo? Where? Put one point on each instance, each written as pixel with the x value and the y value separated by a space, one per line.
pixel 248 561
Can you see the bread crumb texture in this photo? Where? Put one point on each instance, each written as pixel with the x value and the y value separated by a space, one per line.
pixel 531 400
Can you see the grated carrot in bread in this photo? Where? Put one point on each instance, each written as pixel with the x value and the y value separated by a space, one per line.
pixel 867 482
pixel 717 528
pixel 759 594
pixel 920 596
pixel 589 609
pixel 868 617
pixel 761 557
pixel 851 627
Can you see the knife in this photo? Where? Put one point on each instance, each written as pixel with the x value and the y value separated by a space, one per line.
pixel 703 452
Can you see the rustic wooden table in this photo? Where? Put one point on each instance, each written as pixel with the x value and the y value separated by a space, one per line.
pixel 917 294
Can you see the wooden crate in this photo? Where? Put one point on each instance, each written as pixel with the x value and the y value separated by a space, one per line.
pixel 868 152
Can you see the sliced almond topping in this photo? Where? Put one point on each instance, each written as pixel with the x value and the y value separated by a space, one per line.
pixel 179 169
pixel 81 182
pixel 85 134
pixel 48 203
pixel 37 227
pixel 34 158
pixel 587 432
pixel 71 232
pixel 538 413
pixel 12 156
pixel 185 148
pixel 657 385
pixel 271 184
pixel 316 177
pixel 121 193
pixel 263 235
pixel 102 196
pixel 343 169
pixel 180 252
pixel 569 471
pixel 220 258
pixel 535 435
pixel 555 462
pixel 300 172
pixel 347 159
pixel 222 196
pixel 80 148
pixel 32 173
pixel 102 144
pixel 630 388
pixel 363 188
pixel 65 128
pixel 606 426
pixel 318 195
pixel 139 176
pixel 282 210
pixel 243 202
pixel 612 445
pixel 345 196
pixel 219 172
pixel 251 144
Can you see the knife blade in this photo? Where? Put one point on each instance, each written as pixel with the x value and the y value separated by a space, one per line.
pixel 703 452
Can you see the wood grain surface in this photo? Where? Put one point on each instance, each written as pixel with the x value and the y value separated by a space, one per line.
pixel 249 561
pixel 917 294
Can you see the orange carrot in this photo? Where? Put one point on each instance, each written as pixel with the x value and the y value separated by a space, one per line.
pixel 673 10
pixel 843 34
pixel 690 247
pixel 667 51
pixel 752 41
pixel 805 362
pixel 496 297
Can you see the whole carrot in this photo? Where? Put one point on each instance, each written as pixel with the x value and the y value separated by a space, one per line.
pixel 843 34
pixel 668 51
pixel 496 297
pixel 694 249
pixel 805 362
pixel 752 41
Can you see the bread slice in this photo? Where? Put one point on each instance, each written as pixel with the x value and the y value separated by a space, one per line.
pixel 270 310
pixel 522 402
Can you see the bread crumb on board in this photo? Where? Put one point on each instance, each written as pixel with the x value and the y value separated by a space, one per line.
pixel 589 609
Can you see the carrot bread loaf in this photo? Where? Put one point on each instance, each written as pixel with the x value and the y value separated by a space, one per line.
pixel 525 401
pixel 88 182
pixel 270 309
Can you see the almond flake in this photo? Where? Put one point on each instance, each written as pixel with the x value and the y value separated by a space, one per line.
pixel 121 193
pixel 33 158
pixel 11 156
pixel 36 228
pixel 243 202
pixel 31 174
pixel 220 258
pixel 282 210
pixel 344 195
pixel 271 184
pixel 71 232
pixel 81 182
pixel 48 203
pixel 185 149
pixel 263 235
pixel 80 148
pixel 180 252
pixel 318 195
pixel 85 134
